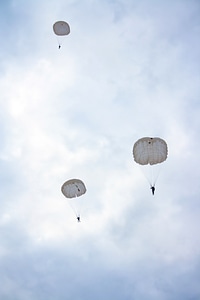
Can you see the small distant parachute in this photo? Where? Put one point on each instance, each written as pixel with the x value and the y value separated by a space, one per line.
pixel 61 28
pixel 74 188
pixel 150 151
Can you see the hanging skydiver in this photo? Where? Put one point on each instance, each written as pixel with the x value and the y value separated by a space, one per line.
pixel 153 189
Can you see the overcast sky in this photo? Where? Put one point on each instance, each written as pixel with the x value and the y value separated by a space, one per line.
pixel 128 69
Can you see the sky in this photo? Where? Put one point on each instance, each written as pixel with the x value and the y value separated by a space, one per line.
pixel 127 70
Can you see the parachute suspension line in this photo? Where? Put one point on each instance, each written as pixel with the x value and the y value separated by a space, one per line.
pixel 148 178
pixel 155 174
pixel 151 173
pixel 59 43
pixel 153 181
pixel 74 209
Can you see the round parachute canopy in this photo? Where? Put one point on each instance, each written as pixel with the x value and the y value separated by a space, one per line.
pixel 149 150
pixel 73 188
pixel 61 28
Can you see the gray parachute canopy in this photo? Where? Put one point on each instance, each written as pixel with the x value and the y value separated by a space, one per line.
pixel 61 28
pixel 149 150
pixel 73 188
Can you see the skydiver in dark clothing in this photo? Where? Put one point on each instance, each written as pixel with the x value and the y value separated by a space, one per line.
pixel 59 46
pixel 78 218
pixel 153 189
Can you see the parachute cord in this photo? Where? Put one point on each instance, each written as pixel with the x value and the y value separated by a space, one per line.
pixel 59 43
pixel 147 177
pixel 73 208
pixel 151 173
pixel 155 177
pixel 153 180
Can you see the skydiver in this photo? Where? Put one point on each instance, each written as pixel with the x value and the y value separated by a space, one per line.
pixel 78 218
pixel 153 189
pixel 59 46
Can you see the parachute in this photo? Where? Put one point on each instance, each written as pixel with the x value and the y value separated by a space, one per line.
pixel 150 151
pixel 61 28
pixel 71 189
